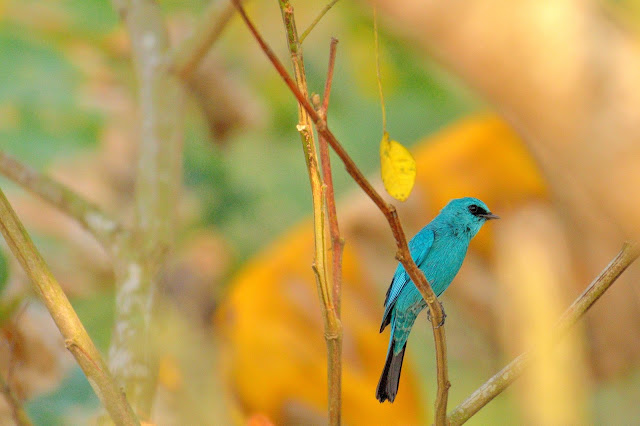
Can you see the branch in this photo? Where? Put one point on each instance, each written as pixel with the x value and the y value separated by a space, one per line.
pixel 505 377
pixel 332 325
pixel 317 19
pixel 390 213
pixel 186 57
pixel 76 338
pixel 88 215
pixel 132 356
pixel 337 243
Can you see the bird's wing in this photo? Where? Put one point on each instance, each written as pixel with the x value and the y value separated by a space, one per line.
pixel 419 247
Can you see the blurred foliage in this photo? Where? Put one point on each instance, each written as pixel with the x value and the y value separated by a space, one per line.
pixel 73 402
pixel 68 91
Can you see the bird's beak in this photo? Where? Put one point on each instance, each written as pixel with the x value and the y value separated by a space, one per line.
pixel 490 216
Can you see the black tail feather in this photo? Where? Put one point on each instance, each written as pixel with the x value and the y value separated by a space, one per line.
pixel 388 384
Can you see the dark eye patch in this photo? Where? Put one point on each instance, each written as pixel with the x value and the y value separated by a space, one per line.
pixel 477 210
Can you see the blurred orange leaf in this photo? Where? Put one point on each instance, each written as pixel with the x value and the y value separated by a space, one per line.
pixel 169 373
pixel 259 420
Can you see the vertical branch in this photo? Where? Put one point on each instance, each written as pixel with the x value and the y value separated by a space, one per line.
pixel 390 213
pixel 138 260
pixel 76 338
pixel 337 243
pixel 332 325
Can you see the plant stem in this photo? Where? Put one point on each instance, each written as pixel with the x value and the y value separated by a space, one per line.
pixel 187 56
pixel 76 338
pixel 317 19
pixel 378 73
pixel 89 216
pixel 337 243
pixel 390 213
pixel 505 377
pixel 332 325
pixel 159 171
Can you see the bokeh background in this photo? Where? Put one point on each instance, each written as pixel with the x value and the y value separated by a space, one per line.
pixel 532 106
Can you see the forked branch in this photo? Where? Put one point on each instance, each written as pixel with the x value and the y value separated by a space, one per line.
pixel 390 213
pixel 320 196
pixel 76 338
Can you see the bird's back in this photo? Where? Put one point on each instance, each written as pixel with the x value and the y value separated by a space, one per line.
pixel 444 257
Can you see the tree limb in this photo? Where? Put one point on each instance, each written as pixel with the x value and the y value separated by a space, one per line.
pixel 132 356
pixel 104 228
pixel 505 377
pixel 76 338
pixel 186 57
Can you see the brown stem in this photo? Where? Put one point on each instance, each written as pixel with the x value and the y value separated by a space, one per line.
pixel 505 377
pixel 76 338
pixel 337 243
pixel 390 213
pixel 88 215
pixel 333 328
pixel 189 54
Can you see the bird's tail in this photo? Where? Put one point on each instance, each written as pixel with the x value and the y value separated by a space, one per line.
pixel 388 384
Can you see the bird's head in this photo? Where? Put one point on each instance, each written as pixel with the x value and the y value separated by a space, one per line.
pixel 467 214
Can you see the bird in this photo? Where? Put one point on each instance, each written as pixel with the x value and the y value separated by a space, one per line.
pixel 438 250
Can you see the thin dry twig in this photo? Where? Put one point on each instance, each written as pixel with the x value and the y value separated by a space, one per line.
pixel 337 243
pixel 76 338
pixel 317 19
pixel 390 213
pixel 186 57
pixel 333 327
pixel 104 228
pixel 505 377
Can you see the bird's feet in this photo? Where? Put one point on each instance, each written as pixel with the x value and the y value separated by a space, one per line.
pixel 444 315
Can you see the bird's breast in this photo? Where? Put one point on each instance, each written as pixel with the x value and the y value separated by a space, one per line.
pixel 444 261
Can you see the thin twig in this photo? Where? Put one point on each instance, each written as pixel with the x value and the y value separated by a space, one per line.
pixel 317 19
pixel 20 416
pixel 327 85
pixel 332 325
pixel 76 338
pixel 88 215
pixel 378 73
pixel 186 57
pixel 337 243
pixel 505 377
pixel 390 213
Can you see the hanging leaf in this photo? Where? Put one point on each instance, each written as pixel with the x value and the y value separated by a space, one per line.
pixel 398 168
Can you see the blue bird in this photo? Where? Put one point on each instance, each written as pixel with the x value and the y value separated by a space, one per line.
pixel 438 250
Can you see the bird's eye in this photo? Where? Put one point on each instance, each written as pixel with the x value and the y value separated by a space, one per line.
pixel 477 210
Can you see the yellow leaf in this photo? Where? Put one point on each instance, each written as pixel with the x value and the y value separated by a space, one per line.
pixel 398 168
